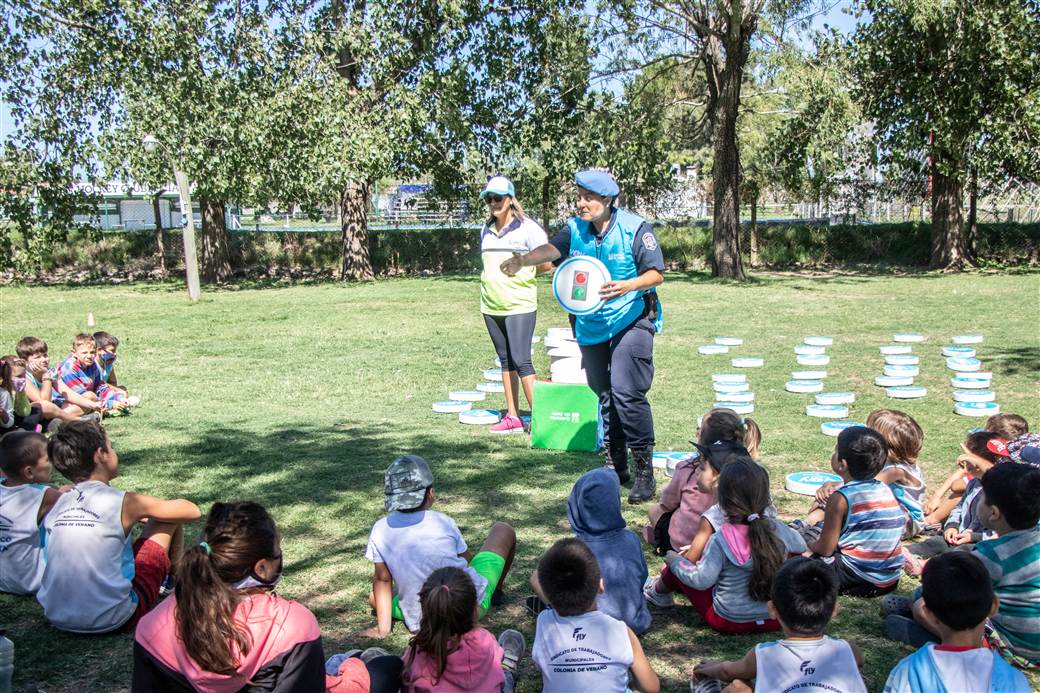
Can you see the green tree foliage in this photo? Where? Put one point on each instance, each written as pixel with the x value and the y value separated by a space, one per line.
pixel 954 86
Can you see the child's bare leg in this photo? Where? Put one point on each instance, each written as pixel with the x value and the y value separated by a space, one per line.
pixel 943 511
pixel 70 412
pixel 814 517
pixel 502 540
pixel 738 686
pixel 168 535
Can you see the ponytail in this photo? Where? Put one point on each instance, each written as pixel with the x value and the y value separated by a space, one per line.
pixel 7 364
pixel 235 537
pixel 726 424
pixel 743 493
pixel 449 611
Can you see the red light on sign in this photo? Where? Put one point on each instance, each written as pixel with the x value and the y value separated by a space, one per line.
pixel 581 278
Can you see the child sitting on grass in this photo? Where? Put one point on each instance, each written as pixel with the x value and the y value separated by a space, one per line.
pixel 804 599
pixel 1007 427
pixel 412 541
pixel 676 519
pixel 964 527
pixel 577 647
pixel 25 500
pixel 18 412
pixel 97 579
pixel 225 629
pixel 730 585
pixel 959 615
pixel 862 522
pixel 81 380
pixel 451 653
pixel 41 383
pixel 904 439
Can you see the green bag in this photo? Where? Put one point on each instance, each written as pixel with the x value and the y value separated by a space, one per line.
pixel 565 417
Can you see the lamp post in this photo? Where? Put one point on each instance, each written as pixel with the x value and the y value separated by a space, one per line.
pixel 191 261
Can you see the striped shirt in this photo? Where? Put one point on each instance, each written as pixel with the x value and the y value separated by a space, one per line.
pixel 82 379
pixel 910 497
pixel 1013 562
pixel 870 540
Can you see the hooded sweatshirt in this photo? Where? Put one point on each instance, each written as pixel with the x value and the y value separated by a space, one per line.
pixel 594 511
pixel 685 501
pixel 475 665
pixel 726 565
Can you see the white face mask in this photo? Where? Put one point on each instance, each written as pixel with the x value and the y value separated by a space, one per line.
pixel 252 581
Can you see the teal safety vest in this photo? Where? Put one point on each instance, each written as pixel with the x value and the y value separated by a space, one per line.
pixel 615 251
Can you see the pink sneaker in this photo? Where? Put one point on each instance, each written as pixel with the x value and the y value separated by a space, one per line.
pixel 508 424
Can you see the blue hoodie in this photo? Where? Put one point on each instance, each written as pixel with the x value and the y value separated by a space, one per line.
pixel 594 511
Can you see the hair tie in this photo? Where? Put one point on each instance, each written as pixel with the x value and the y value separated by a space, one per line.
pixel 446 588
pixel 205 547
pixel 752 517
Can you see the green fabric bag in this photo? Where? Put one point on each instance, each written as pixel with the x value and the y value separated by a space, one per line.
pixel 565 417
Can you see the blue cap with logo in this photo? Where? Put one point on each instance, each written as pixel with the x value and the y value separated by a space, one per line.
pixel 599 182
pixel 498 185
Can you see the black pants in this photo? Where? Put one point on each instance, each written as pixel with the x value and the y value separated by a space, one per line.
pixel 620 371
pixel 385 674
pixel 511 335
pixel 851 584
pixel 933 546
pixel 30 421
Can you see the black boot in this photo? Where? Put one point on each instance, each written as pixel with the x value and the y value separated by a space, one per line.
pixel 644 487
pixel 616 458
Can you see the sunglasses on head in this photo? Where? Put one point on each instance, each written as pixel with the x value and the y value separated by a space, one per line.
pixel 493 199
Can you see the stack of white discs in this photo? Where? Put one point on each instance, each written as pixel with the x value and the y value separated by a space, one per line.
pixel 972 395
pixel 813 352
pixel 733 392
pixel 901 367
pixel 564 356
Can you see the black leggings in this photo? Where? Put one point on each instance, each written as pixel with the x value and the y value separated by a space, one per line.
pixel 385 674
pixel 511 335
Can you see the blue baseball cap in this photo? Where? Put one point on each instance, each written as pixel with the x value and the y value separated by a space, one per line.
pixel 498 185
pixel 599 182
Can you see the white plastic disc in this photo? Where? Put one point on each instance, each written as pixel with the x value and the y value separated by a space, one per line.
pixel 893 380
pixel 729 378
pixel 730 387
pixel 835 398
pixel 963 365
pixel 889 349
pixel 738 407
pixel 570 377
pixel 819 341
pixel 985 375
pixel 911 371
pixel 560 333
pixel 498 362
pixel 709 349
pixel 479 417
pixel 748 362
pixel 833 428
pixel 808 375
pixel 902 360
pixel 467 395
pixel 729 341
pixel 958 351
pixel 907 337
pixel 967 339
pixel 739 396
pixel 451 406
pixel 576 284
pixel 974 396
pixel 827 411
pixel 807 483
pixel 907 392
pixel 569 363
pixel 668 461
pixel 490 387
pixel 535 339
pixel 568 350
pixel 821 360
pixel 809 350
pixel 804 386
pixel 493 374
pixel 970 383
pixel 976 408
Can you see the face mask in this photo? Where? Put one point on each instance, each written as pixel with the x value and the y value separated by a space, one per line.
pixel 19 384
pixel 107 357
pixel 252 581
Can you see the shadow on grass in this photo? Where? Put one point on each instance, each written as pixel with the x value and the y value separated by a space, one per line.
pixel 1015 360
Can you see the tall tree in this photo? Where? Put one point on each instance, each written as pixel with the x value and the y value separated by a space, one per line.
pixel 951 81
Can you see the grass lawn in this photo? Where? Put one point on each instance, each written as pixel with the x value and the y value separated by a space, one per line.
pixel 300 396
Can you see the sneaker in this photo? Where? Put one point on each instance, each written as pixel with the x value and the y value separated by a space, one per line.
pixel 508 424
pixel 661 600
pixel 513 647
pixel 913 565
pixel 133 400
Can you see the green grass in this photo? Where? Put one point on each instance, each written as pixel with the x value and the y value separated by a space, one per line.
pixel 299 397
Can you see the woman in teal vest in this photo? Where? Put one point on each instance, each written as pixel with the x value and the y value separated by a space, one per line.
pixel 617 342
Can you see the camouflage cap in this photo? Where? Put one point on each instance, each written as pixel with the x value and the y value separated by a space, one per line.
pixel 405 483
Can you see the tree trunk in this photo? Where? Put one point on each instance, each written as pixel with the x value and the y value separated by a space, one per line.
pixel 973 216
pixel 214 253
pixel 353 202
pixel 546 190
pixel 726 261
pixel 949 250
pixel 754 227
pixel 160 247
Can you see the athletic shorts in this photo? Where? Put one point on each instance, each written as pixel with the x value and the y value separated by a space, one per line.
pixel 151 566
pixel 487 564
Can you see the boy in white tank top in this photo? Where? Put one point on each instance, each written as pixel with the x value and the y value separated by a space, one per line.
pixel 96 579
pixel 577 647
pixel 804 599
pixel 25 499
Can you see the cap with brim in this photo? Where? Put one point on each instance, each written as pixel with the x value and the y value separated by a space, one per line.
pixel 1030 454
pixel 599 182
pixel 405 483
pixel 498 185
